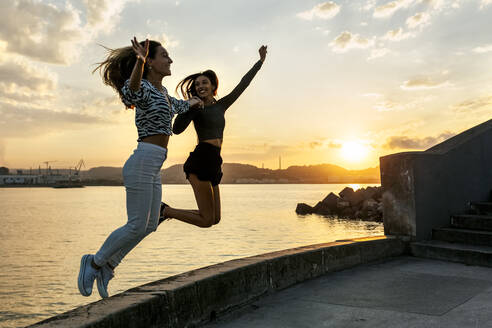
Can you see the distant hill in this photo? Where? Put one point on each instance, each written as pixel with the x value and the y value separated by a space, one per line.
pixel 328 173
pixel 244 173
pixel 103 173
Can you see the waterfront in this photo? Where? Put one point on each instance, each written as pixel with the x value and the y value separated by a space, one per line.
pixel 47 230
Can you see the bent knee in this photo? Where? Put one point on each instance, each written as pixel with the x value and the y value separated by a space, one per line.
pixel 217 220
pixel 136 231
pixel 208 223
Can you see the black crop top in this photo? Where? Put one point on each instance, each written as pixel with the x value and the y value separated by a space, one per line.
pixel 210 122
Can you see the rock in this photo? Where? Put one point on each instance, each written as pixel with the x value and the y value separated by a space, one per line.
pixel 378 194
pixel 370 204
pixel 357 197
pixel 322 209
pixel 303 209
pixel 380 208
pixel 341 204
pixel 375 218
pixel 370 192
pixel 346 193
pixel 331 201
pixel 363 204
pixel 347 212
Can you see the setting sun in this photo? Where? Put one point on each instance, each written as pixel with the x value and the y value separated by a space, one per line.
pixel 354 151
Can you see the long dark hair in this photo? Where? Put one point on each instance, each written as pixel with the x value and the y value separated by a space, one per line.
pixel 119 63
pixel 187 85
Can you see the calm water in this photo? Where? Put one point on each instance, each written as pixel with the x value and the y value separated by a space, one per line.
pixel 45 232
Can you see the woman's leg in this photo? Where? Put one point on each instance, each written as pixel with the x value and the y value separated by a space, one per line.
pixel 204 196
pixel 155 204
pixel 137 176
pixel 138 203
pixel 107 271
pixel 217 203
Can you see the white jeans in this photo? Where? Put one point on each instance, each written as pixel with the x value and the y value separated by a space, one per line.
pixel 142 179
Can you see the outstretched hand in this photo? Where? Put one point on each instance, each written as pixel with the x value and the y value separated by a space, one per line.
pixel 141 51
pixel 263 53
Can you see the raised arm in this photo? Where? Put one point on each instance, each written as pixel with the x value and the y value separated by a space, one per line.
pixel 137 72
pixel 245 81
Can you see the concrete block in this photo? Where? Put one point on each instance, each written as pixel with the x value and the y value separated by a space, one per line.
pixel 292 268
pixel 341 257
pixel 376 250
pixel 219 293
pixel 123 310
pixel 184 305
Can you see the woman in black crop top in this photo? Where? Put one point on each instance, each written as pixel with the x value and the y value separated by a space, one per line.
pixel 203 166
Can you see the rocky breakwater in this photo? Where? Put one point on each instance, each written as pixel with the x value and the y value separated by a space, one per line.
pixel 363 204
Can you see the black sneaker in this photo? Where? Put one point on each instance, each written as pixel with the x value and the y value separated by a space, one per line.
pixel 161 213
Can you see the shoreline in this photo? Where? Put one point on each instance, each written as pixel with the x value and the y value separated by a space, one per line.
pixel 238 183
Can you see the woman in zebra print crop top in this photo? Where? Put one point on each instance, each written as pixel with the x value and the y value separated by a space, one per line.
pixel 136 73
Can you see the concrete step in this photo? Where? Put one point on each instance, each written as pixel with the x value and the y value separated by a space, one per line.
pixel 463 236
pixel 472 222
pixel 462 253
pixel 481 208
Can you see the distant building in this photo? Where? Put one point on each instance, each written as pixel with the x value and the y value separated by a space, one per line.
pixel 24 179
pixel 36 179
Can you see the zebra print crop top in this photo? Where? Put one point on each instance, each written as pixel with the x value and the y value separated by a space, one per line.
pixel 153 113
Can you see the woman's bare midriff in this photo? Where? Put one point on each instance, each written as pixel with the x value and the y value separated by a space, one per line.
pixel 216 142
pixel 158 139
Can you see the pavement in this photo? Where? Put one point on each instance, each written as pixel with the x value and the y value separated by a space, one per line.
pixel 402 292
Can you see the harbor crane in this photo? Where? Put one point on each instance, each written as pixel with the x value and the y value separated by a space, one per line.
pixel 48 168
pixel 78 167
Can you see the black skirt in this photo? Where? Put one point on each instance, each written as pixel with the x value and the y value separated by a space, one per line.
pixel 205 162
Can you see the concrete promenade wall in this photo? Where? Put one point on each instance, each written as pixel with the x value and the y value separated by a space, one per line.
pixel 198 296
pixel 421 190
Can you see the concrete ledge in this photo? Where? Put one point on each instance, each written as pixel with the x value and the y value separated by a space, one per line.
pixel 198 296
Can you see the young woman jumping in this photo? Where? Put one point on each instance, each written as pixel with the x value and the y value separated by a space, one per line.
pixel 203 166
pixel 136 73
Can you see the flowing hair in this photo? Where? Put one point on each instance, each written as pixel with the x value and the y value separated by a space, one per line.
pixel 187 85
pixel 119 63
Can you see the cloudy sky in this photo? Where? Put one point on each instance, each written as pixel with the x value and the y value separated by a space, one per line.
pixel 344 81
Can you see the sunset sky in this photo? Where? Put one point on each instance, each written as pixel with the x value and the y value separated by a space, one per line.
pixel 344 82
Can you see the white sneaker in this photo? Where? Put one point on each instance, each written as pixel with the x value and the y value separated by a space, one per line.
pixel 87 275
pixel 106 274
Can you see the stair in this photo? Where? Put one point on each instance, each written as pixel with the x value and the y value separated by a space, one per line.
pixel 470 221
pixel 482 208
pixel 467 240
pixel 463 236
pixel 453 252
